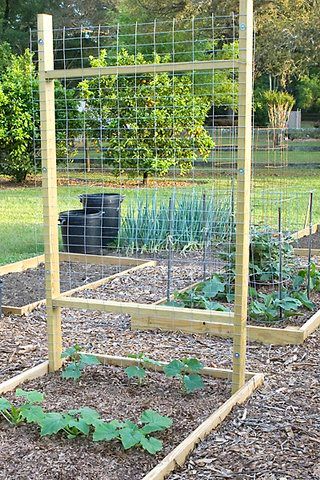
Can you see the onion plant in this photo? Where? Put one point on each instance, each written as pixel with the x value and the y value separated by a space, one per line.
pixel 197 218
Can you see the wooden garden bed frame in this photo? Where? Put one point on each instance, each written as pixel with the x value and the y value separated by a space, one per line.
pixel 179 454
pixel 23 265
pixel 223 326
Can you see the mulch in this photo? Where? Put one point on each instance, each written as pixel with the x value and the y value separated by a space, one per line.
pixel 274 436
pixel 22 288
pixel 108 390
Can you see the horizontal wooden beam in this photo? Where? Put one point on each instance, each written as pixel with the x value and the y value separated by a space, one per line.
pixel 305 231
pixel 102 259
pixel 22 265
pixel 268 335
pixel 180 453
pixel 34 372
pixel 117 361
pixel 140 69
pixel 142 310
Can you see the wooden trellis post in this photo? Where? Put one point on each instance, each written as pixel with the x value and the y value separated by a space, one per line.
pixel 49 186
pixel 243 192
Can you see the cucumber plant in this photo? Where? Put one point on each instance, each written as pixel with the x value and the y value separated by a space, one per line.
pixel 77 362
pixel 187 371
pixel 139 371
pixel 27 412
pixel 85 421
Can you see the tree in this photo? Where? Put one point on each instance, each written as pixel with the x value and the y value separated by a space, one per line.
pixel 145 125
pixel 20 122
pixel 18 16
pixel 308 92
pixel 279 107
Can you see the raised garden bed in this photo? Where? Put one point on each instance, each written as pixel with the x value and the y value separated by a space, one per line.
pixel 194 417
pixel 24 285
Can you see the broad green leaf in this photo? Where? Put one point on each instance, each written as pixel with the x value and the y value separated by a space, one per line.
pixel 89 415
pixel 32 396
pixel 89 360
pixel 192 382
pixel 193 364
pixel 135 372
pixel 154 422
pixel 175 303
pixel 129 438
pixel 53 423
pixel 174 368
pixel 72 370
pixel 4 404
pixel 212 287
pixel 151 444
pixel 69 352
pixel 32 413
pixel 80 424
pixel 215 306
pixel 306 302
pixel 104 431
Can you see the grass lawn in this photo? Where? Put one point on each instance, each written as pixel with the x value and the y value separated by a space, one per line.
pixel 21 207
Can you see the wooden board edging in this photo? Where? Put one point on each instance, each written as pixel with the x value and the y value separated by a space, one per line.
pixel 305 232
pixel 74 258
pixel 178 456
pixel 118 361
pixel 34 372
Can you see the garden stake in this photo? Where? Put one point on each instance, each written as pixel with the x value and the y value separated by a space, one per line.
pixel 309 243
pixel 280 258
pixel 205 235
pixel 170 244
pixel 1 290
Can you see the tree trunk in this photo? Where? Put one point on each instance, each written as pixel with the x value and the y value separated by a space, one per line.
pixel 87 154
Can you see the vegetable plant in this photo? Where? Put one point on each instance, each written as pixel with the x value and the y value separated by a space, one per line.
pixel 85 421
pixel 28 412
pixel 187 371
pixel 138 371
pixel 78 361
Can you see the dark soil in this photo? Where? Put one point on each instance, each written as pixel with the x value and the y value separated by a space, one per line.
pixel 304 241
pixel 108 391
pixel 22 288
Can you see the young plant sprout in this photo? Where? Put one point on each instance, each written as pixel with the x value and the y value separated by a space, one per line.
pixel 78 361
pixel 186 370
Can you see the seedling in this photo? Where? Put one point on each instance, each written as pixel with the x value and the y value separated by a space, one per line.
pixel 78 362
pixel 138 371
pixel 186 370
pixel 29 411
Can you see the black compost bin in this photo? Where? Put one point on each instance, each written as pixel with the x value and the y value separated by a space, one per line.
pixel 81 231
pixel 110 204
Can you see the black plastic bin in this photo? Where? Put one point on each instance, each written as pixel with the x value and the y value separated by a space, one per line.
pixel 110 204
pixel 82 231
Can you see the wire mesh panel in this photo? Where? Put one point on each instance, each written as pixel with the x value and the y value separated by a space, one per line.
pixel 146 173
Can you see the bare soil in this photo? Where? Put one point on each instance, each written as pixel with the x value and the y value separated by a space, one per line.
pixel 108 390
pixel 314 238
pixel 22 288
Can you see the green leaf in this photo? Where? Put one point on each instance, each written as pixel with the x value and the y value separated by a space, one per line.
pixel 135 372
pixel 73 370
pixel 174 368
pixel 215 306
pixel 303 298
pixel 212 287
pixel 89 360
pixel 154 422
pixel 80 424
pixel 70 352
pixel 129 438
pixel 32 396
pixel 151 444
pixel 4 404
pixel 193 364
pixel 53 423
pixel 89 415
pixel 192 382
pixel 104 431
pixel 32 413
